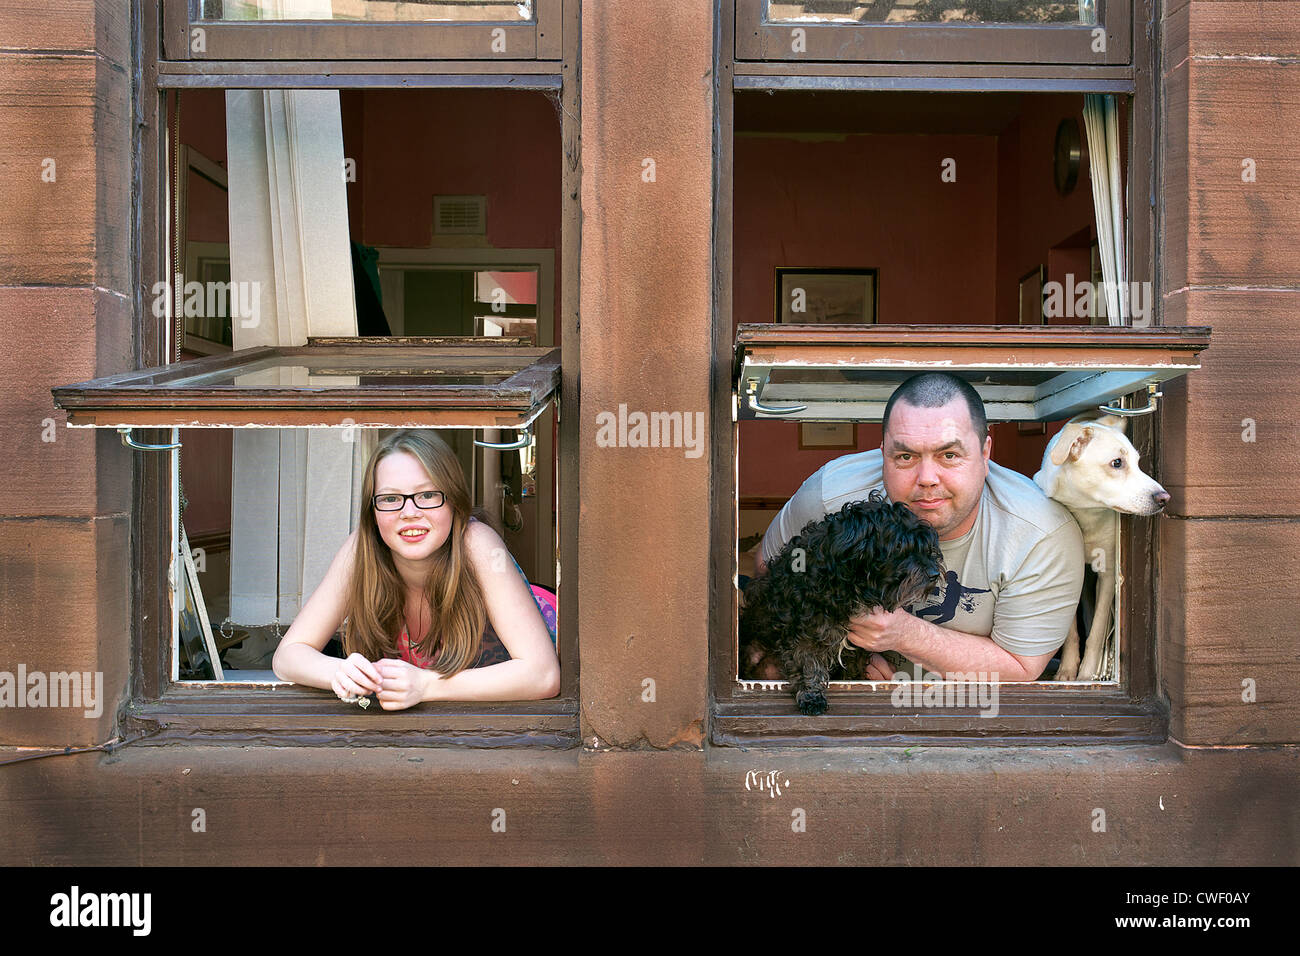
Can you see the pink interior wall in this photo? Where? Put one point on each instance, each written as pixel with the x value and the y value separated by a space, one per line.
pixel 416 143
pixel 413 144
pixel 948 253
pixel 870 202
pixel 877 201
pixel 772 464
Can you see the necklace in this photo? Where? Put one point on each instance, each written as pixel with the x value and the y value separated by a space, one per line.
pixel 413 637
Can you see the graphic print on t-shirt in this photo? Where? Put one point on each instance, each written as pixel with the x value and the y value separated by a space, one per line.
pixel 954 596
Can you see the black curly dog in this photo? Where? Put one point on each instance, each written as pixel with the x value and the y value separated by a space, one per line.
pixel 868 554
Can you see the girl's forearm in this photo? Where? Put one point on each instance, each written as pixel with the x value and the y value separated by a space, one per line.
pixel 304 665
pixel 509 680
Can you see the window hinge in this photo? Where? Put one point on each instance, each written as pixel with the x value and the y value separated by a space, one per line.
pixel 1152 395
pixel 130 442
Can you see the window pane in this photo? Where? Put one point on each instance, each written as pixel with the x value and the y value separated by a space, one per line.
pixel 374 11
pixel 933 11
pixel 467 386
pixel 506 303
pixel 496 325
pixel 506 287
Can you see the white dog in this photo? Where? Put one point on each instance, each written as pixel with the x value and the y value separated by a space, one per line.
pixel 1092 469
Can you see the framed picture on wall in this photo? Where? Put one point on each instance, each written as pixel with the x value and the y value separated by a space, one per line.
pixel 828 436
pixel 826 296
pixel 1031 296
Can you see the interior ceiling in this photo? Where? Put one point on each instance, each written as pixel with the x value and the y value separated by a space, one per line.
pixel 852 112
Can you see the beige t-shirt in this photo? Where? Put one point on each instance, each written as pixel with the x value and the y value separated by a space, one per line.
pixel 1015 576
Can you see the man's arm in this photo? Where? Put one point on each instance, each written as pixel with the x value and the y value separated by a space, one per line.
pixel 805 506
pixel 1030 620
pixel 940 650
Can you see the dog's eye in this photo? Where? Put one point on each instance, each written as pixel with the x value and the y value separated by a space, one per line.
pixel 1117 463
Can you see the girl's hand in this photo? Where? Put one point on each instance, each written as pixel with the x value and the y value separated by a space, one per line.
pixel 403 683
pixel 355 677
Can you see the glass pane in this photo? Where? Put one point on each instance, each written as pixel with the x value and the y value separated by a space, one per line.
pixel 886 380
pixel 299 376
pixel 933 11
pixel 506 303
pixel 496 325
pixel 397 371
pixel 500 287
pixel 838 393
pixel 454 387
pixel 373 11
pixel 391 148
pixel 1009 395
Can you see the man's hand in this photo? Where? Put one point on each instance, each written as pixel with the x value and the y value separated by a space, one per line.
pixel 880 630
pixel 878 668
pixel 937 649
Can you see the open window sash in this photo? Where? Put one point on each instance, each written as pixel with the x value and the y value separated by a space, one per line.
pixel 833 373
pixel 447 382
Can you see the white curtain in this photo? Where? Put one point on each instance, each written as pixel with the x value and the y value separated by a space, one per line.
pixel 1101 122
pixel 293 489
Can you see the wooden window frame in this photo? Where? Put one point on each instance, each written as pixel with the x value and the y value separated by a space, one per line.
pixel 1063 370
pixel 759 40
pixel 281 40
pixel 163 712
pixel 150 398
pixel 1134 710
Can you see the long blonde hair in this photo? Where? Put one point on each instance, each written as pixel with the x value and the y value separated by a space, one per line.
pixel 376 597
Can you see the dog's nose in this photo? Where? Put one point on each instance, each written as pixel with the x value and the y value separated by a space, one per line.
pixel 1161 497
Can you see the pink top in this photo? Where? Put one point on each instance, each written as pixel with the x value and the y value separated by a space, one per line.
pixel 492 650
pixel 412 655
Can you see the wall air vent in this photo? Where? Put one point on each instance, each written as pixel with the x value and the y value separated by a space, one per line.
pixel 460 215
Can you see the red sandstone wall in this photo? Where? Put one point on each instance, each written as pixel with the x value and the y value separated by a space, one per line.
pixel 1230 258
pixel 646 342
pixel 1230 81
pixel 66 316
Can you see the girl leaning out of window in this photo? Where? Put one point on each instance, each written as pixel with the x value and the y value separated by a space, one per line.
pixel 432 605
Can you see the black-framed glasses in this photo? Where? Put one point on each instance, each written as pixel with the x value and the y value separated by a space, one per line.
pixel 422 499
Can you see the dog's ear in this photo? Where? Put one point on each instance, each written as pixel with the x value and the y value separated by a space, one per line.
pixel 1118 422
pixel 1073 440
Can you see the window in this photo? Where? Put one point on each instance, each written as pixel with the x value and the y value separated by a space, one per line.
pixel 275 181
pixel 1032 374
pixel 287 30
pixel 855 155
pixel 279 536
pixel 937 31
